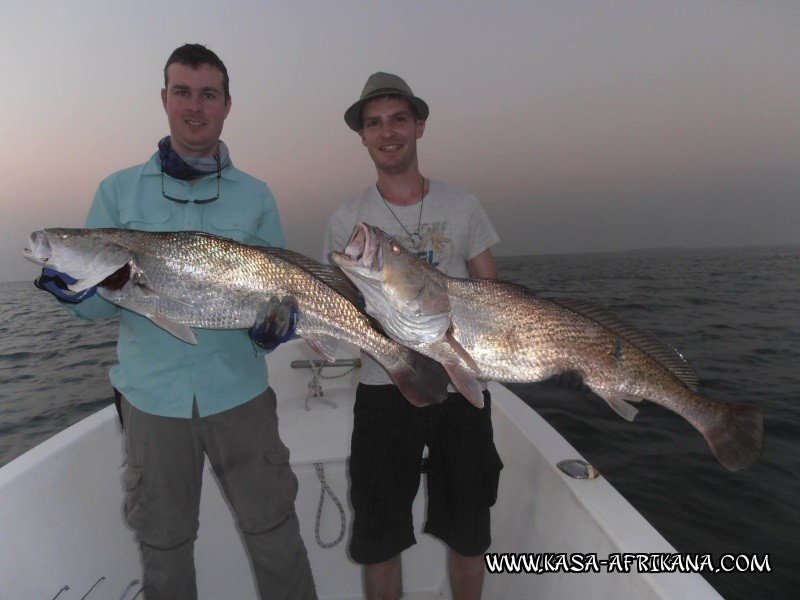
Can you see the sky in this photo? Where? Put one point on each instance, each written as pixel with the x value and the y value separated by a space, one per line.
pixel 583 126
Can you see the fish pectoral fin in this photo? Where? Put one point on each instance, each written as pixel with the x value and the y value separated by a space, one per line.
pixel 182 332
pixel 421 379
pixel 620 404
pixel 324 346
pixel 95 278
pixel 465 382
pixel 459 349
pixel 85 284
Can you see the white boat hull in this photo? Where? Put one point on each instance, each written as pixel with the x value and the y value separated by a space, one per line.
pixel 61 512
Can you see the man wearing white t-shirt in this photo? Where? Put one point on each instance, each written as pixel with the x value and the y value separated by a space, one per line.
pixel 447 227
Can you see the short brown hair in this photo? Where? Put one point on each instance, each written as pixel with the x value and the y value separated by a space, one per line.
pixel 195 56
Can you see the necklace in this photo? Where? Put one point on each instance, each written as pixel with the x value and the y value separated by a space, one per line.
pixel 416 238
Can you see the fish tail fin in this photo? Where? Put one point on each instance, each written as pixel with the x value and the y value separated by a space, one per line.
pixel 422 380
pixel 735 434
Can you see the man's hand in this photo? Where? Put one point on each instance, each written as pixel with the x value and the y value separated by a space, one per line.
pixel 57 284
pixel 275 323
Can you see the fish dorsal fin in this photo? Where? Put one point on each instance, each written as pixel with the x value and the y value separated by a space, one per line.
pixel 663 353
pixel 331 276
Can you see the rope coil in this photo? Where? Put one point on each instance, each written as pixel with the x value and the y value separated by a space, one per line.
pixel 326 489
pixel 315 387
pixel 315 391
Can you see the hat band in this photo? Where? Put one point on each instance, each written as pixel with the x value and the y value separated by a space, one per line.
pixel 387 92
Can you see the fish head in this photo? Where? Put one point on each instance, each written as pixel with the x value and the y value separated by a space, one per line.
pixel 89 256
pixel 404 293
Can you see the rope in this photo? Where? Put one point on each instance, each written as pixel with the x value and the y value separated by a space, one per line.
pixel 315 391
pixel 315 387
pixel 317 370
pixel 325 489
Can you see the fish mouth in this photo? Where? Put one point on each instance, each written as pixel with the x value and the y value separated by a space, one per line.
pixel 38 250
pixel 362 254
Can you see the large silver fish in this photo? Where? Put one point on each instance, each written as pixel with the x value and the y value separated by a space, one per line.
pixel 490 330
pixel 181 280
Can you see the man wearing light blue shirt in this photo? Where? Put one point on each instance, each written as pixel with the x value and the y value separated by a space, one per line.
pixel 180 402
pixel 157 372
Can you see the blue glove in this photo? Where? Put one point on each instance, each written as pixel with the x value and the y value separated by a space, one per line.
pixel 275 323
pixel 56 283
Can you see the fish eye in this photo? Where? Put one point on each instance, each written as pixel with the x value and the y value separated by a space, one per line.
pixel 395 248
pixel 63 236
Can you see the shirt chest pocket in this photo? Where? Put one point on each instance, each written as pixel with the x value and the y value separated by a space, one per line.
pixel 154 218
pixel 236 224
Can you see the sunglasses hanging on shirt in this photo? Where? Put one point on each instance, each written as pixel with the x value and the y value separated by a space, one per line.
pixel 186 201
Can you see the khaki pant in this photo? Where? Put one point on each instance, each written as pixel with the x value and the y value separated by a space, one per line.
pixel 163 476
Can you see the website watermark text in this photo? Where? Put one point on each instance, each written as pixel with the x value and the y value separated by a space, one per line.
pixel 537 563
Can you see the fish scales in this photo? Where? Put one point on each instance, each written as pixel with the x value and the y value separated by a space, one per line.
pixel 542 339
pixel 213 283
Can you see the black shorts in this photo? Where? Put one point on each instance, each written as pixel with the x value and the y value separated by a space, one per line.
pixel 463 471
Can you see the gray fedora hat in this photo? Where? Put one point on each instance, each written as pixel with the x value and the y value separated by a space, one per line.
pixel 382 84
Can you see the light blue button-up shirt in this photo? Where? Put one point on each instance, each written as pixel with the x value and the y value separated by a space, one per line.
pixel 158 373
